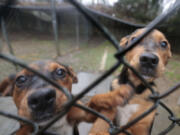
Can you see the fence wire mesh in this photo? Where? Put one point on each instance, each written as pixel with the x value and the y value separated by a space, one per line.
pixel 155 97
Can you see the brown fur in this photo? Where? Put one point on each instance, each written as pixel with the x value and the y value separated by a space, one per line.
pixel 24 130
pixel 100 125
pixel 108 102
pixel 6 86
pixel 116 97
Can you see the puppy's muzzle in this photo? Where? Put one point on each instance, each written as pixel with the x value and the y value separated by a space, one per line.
pixel 148 64
pixel 149 60
pixel 42 103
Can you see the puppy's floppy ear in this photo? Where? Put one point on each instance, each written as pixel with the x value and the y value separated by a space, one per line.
pixel 169 52
pixel 124 41
pixel 7 85
pixel 72 74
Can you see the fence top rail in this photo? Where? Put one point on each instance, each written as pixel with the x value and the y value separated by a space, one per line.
pixel 68 7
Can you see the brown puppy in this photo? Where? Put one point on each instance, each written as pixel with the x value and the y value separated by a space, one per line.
pixel 39 101
pixel 149 58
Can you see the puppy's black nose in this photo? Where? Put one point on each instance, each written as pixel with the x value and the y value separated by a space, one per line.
pixel 149 60
pixel 42 99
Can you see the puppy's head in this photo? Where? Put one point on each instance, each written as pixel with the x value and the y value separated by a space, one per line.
pixel 150 56
pixel 35 98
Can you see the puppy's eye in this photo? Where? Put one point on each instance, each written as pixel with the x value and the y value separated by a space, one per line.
pixel 133 38
pixel 126 43
pixel 163 44
pixel 21 80
pixel 60 72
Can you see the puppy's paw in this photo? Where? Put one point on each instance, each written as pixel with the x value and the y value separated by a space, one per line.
pixel 101 101
pixel 112 99
pixel 123 94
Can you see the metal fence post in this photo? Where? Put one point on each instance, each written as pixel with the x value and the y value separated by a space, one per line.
pixel 77 29
pixel 5 35
pixel 55 27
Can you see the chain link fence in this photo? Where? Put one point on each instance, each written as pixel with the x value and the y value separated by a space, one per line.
pixel 155 97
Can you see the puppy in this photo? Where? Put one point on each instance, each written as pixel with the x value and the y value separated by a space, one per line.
pixel 39 101
pixel 149 58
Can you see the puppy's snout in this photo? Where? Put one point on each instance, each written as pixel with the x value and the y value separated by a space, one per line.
pixel 149 60
pixel 42 99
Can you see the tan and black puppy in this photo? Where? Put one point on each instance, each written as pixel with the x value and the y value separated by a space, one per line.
pixel 149 58
pixel 39 101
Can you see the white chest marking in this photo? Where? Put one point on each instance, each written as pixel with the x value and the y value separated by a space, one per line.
pixel 62 127
pixel 125 113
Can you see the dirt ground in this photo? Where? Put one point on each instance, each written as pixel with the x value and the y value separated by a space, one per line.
pixel 85 57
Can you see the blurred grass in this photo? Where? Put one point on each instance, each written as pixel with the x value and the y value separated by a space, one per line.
pixel 173 72
pixel 87 58
pixel 90 56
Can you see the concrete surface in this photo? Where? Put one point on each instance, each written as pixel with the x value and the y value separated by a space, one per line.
pixel 178 101
pixel 84 80
pixel 162 122
pixel 7 126
pixel 87 78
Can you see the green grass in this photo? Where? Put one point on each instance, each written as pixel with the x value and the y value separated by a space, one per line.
pixel 172 75
pixel 173 72
pixel 88 58
pixel 178 116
